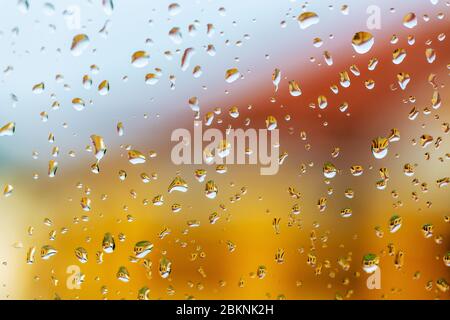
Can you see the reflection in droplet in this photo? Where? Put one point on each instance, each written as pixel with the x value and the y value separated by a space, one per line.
pixel 52 168
pixel 31 255
pixel 232 75
pixel 108 243
pixel 81 254
pixel 142 248
pixel 276 77
pixel 178 184
pixel 7 190
pixel 380 147
pixel 307 19
pixel 151 78
pixel 430 54
pixel 47 252
pixel 197 71
pixel 78 104
pixel 329 170
pixel 85 203
pixel 38 88
pixel 271 123
pixel 344 79
pixel 174 9
pixel 165 267
pixel 123 274
pixel 8 129
pixel 140 59
pixel 80 42
pixel 398 55
pixel 136 157
pixel 362 42
pixel 186 58
pixel 294 88
pixel 410 20
pixel 175 35
pixel 211 189
pixel 103 87
pixel 99 146
pixel 403 79
pixel 87 82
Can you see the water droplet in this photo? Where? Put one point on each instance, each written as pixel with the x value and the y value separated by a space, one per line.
pixel 47 252
pixel 165 267
pixel 370 262
pixel 430 54
pixel 403 79
pixel 31 255
pixel 328 58
pixel 38 88
pixel 307 19
pixel 372 64
pixel 174 9
pixel 136 157
pixel 197 71
pixel 380 147
pixel 81 254
pixel 394 135
pixel 186 58
pixel 329 170
pixel 120 129
pixel 7 190
pixel 87 82
pixel 144 293
pixel 211 189
pixel 427 230
pixel 142 248
pixel 346 213
pixel 52 168
pixel 410 20
pixel 103 87
pixel 232 75
pixel 271 123
pixel 123 274
pixel 175 35
pixel 446 259
pixel 344 79
pixel 395 223
pixel 398 55
pixel 322 102
pixel 276 77
pixel 85 203
pixel 99 146
pixel 362 42
pixel 8 129
pixel 78 104
pixel 140 59
pixel 178 184
pixel 108 243
pixel 80 42
pixel 151 78
pixel 294 88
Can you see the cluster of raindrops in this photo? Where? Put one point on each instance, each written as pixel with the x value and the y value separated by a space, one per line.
pixel 380 148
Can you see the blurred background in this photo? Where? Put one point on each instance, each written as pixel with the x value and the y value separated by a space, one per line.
pixel 220 261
